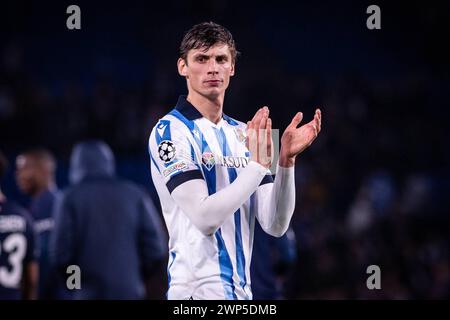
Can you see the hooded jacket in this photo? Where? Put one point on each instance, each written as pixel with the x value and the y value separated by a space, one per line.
pixel 107 227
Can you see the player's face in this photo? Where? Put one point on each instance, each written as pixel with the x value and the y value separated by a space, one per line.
pixel 208 72
pixel 28 174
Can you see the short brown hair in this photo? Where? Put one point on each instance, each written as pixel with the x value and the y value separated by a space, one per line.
pixel 207 34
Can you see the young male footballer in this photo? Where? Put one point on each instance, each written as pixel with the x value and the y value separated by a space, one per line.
pixel 211 174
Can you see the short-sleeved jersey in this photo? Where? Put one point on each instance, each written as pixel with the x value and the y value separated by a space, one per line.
pixel 17 248
pixel 184 146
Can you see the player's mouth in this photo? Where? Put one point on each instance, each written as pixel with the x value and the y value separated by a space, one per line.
pixel 213 82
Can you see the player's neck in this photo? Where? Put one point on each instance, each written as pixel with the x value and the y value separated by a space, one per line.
pixel 211 109
pixel 44 188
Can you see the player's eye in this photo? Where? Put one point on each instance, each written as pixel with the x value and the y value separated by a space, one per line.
pixel 221 59
pixel 201 59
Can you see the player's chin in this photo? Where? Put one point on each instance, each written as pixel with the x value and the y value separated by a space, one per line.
pixel 25 188
pixel 215 89
pixel 213 92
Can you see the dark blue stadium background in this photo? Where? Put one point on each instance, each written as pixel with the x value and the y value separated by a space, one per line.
pixel 373 189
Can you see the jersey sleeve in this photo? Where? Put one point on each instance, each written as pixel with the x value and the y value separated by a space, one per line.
pixel 173 155
pixel 276 202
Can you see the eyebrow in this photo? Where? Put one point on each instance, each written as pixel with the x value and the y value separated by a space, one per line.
pixel 203 55
pixel 223 56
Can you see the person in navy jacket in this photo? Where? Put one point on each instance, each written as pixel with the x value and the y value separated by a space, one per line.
pixel 107 227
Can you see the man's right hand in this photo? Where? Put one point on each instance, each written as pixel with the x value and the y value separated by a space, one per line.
pixel 259 138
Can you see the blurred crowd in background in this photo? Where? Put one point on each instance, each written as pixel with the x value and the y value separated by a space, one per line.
pixel 372 190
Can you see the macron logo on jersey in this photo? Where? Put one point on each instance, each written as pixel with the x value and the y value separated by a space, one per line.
pixel 161 128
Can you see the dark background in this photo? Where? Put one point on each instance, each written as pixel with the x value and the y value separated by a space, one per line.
pixel 373 188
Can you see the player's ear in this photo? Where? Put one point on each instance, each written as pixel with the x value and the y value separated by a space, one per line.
pixel 181 63
pixel 232 69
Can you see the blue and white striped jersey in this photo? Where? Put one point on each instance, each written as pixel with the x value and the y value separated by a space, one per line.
pixel 184 146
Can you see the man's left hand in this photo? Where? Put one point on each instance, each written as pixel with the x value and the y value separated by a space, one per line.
pixel 295 140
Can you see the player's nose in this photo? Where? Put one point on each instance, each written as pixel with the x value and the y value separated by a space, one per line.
pixel 212 66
